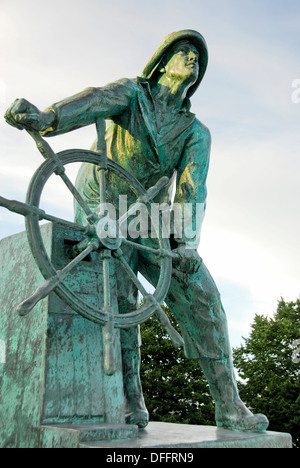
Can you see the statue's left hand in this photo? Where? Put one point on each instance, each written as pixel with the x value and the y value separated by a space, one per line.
pixel 189 260
pixel 22 114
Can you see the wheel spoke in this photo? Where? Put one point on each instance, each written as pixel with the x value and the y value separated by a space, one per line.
pixel 106 255
pixel 92 217
pixel 48 153
pixel 159 313
pixel 108 332
pixel 120 256
pixel 75 226
pixel 101 148
pixel 132 210
pixel 165 322
pixel 26 210
pixel 146 198
pixel 153 191
pixel 144 248
pixel 49 285
pixel 102 185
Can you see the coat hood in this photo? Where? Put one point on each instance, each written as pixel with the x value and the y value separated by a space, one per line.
pixel 189 35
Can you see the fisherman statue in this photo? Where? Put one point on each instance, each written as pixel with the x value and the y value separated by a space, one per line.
pixel 152 133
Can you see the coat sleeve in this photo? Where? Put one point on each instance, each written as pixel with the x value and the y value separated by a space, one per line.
pixel 84 108
pixel 191 192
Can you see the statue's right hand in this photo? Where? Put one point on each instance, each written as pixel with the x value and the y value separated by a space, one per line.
pixel 22 114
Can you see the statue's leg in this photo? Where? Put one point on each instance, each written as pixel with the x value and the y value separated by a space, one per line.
pixel 135 411
pixel 195 301
pixel 230 411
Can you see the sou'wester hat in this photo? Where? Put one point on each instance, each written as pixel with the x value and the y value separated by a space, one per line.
pixel 188 35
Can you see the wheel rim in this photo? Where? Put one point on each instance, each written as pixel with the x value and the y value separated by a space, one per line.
pixel 45 265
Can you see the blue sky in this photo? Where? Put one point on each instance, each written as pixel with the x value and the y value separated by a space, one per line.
pixel 250 236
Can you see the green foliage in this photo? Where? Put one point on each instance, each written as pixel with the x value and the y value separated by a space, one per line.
pixel 174 387
pixel 176 391
pixel 271 378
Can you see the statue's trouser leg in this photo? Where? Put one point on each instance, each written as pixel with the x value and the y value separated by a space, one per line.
pixel 135 409
pixel 231 412
pixel 195 301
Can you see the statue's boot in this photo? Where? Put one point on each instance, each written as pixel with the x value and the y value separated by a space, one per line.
pixel 231 413
pixel 135 410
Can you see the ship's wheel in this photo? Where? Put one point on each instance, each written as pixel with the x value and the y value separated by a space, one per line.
pixel 95 239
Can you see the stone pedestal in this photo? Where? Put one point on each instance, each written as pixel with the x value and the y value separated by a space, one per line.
pixel 51 361
pixel 181 436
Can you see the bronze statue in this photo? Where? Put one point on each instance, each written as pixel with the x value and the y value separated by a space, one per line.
pixel 152 133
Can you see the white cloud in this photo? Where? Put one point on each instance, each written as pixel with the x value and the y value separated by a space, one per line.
pixel 266 69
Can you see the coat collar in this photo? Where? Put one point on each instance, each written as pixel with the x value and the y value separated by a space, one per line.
pixel 147 106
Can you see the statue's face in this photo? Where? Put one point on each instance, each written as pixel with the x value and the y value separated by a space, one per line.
pixel 183 63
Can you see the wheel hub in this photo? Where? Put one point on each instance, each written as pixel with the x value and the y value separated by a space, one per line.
pixel 108 233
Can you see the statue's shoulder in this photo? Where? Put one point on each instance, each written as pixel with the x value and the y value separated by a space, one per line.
pixel 122 85
pixel 201 130
pixel 129 82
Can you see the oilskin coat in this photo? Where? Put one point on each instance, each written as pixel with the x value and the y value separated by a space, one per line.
pixel 179 151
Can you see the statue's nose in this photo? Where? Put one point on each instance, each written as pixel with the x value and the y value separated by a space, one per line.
pixel 192 56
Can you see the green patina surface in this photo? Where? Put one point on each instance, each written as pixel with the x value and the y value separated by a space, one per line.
pixel 54 358
pixel 52 371
pixel 22 376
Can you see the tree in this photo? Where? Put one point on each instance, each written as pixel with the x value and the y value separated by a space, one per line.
pixel 271 375
pixel 175 389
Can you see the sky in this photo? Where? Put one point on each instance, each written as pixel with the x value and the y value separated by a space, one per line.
pixel 250 235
